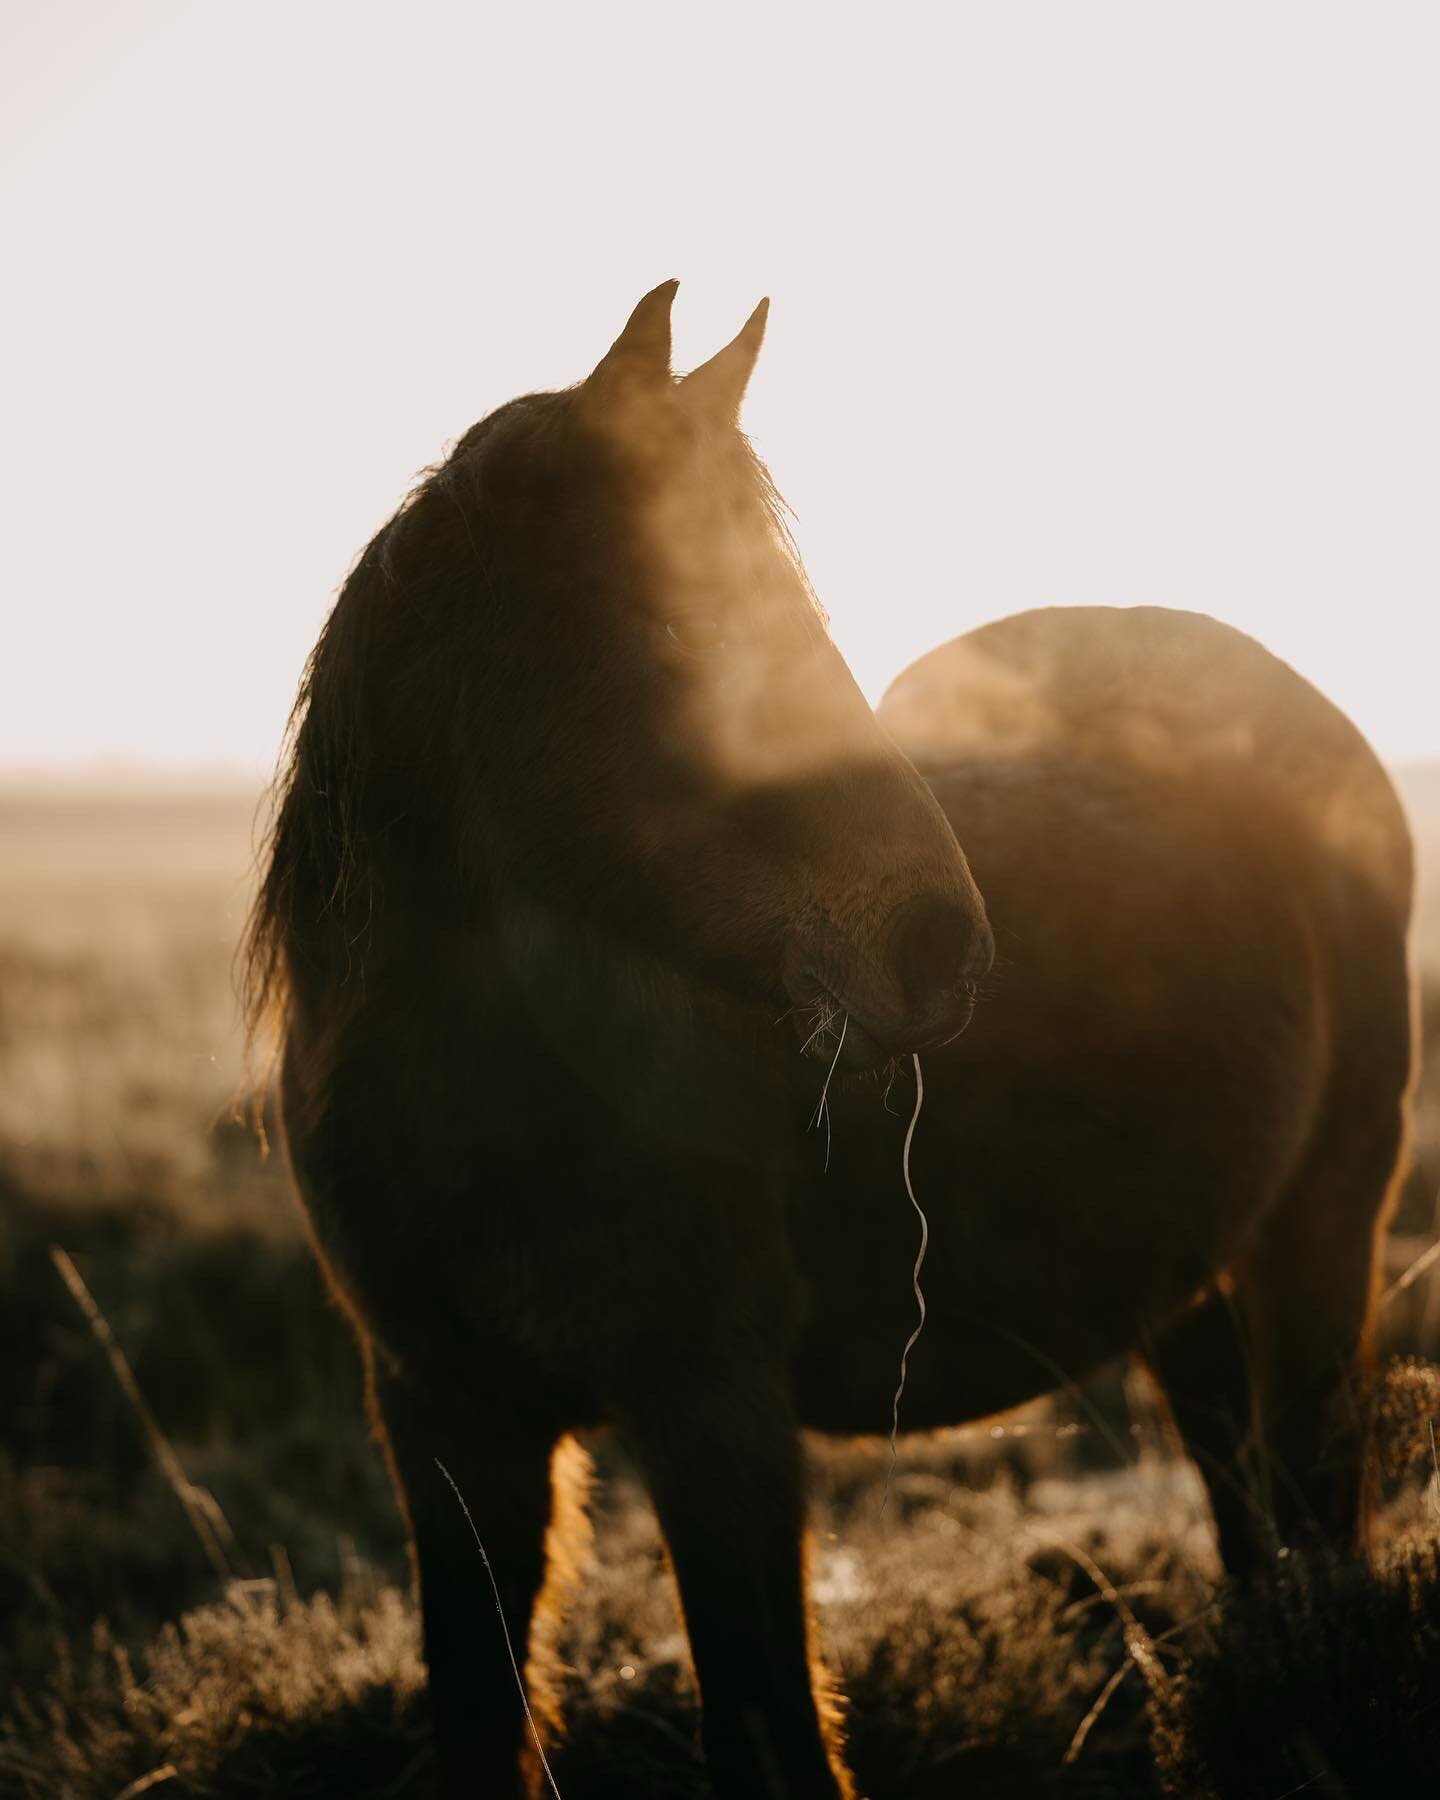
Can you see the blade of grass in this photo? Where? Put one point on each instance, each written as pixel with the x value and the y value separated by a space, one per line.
pixel 206 1519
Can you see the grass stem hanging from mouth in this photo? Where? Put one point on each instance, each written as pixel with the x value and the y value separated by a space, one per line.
pixel 913 1339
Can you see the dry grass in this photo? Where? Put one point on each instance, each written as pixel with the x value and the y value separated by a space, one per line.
pixel 1030 1616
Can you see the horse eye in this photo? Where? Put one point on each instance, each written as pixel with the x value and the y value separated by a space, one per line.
pixel 697 636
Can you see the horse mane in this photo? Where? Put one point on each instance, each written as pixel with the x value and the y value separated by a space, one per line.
pixel 312 805
pixel 319 861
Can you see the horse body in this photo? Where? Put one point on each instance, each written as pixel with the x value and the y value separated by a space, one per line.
pixel 1199 880
pixel 540 1088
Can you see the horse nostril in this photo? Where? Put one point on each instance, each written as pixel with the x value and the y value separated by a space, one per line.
pixel 937 948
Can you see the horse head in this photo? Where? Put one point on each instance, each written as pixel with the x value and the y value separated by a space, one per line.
pixel 580 680
pixel 690 764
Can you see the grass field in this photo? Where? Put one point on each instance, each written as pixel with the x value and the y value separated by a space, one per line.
pixel 1036 1613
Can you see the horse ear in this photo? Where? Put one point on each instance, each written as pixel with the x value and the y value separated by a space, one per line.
pixel 643 347
pixel 718 386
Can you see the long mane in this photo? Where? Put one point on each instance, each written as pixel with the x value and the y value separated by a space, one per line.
pixel 312 828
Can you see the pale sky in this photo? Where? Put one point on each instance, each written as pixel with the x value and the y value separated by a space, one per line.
pixel 1070 303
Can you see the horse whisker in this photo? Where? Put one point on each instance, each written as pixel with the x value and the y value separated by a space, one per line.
pixel 823 1110
pixel 824 1092
pixel 827 1019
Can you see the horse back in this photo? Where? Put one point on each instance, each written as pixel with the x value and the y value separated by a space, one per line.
pixel 1175 703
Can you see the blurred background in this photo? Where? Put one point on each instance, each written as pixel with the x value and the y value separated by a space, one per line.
pixel 1110 304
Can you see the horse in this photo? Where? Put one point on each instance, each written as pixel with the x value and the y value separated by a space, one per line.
pixel 585 828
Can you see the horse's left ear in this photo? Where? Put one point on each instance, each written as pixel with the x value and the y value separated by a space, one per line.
pixel 718 386
pixel 642 350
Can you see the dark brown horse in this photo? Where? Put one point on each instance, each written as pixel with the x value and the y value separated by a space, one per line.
pixel 581 802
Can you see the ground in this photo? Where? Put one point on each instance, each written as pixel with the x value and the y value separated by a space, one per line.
pixel 202 1576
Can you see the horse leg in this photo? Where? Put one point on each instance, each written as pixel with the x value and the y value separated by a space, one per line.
pixel 724 1469
pixel 1310 1284
pixel 502 1470
pixel 1202 1363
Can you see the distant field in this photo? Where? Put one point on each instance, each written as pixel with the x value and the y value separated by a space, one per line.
pixel 972 1632
pixel 120 1048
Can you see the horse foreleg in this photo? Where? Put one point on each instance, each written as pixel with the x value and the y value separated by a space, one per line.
pixel 724 1468
pixel 502 1471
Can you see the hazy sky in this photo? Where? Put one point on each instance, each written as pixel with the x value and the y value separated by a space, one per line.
pixel 1070 303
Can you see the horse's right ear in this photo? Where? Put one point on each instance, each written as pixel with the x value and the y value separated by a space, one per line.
pixel 642 350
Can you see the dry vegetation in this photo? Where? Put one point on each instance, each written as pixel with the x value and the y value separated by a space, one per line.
pixel 1036 1613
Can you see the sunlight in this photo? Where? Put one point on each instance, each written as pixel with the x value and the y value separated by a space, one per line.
pixel 475 1310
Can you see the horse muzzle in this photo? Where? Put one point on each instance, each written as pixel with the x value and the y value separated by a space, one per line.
pixel 914 992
